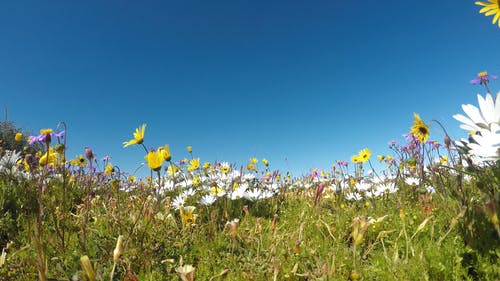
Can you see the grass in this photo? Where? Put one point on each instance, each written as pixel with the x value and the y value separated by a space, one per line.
pixel 418 220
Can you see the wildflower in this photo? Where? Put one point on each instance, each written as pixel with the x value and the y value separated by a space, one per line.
pixel 196 181
pixel 188 216
pixel 412 181
pixel 18 137
pixel 217 191
pixel 154 159
pixel 194 164
pixel 251 167
pixel 109 169
pixel 206 165
pixel 165 152
pixel 491 8
pixel 419 130
pixel 482 117
pixel 224 167
pixel 482 78
pixel 189 149
pixel 207 200
pixel 131 179
pixel 380 158
pixel 178 202
pixel 79 161
pixel 484 123
pixel 254 160
pixel 45 136
pixel 48 158
pixel 138 136
pixel 355 159
pixel 265 162
pixel 186 272
pixel 364 155
pixel 443 159
pixel 172 170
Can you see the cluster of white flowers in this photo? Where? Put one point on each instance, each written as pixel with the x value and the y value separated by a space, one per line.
pixel 211 185
pixel 8 165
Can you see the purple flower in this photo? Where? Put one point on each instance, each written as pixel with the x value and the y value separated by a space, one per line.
pixel 106 158
pixel 43 137
pixel 482 78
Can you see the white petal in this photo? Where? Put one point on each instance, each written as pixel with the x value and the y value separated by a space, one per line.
pixel 473 113
pixel 487 108
pixel 466 122
pixel 497 108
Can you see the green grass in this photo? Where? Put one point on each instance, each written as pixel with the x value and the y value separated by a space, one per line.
pixel 307 242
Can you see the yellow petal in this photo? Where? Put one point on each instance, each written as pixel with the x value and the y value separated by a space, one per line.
pixel 485 9
pixel 495 18
pixel 481 3
pixel 491 12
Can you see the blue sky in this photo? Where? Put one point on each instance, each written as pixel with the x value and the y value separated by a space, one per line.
pixel 301 83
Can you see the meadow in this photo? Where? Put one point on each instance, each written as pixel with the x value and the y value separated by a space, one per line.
pixel 431 214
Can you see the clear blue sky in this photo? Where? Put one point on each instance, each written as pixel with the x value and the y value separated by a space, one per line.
pixel 306 81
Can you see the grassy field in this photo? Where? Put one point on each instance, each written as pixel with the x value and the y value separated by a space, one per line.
pixel 432 214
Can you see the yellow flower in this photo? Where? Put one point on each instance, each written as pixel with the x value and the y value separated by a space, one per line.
pixel 79 161
pixel 109 169
pixel 491 8
pixel 190 149
pixel 196 181
pixel 265 162
pixel 24 163
pixel 251 167
pixel 380 158
pixel 224 168
pixel 216 191
pixel 138 136
pixel 254 160
pixel 188 216
pixel 443 159
pixel 419 130
pixel 155 160
pixel 171 170
pixel 194 164
pixel 18 137
pixel 206 165
pixel 364 155
pixel 49 158
pixel 355 159
pixel 165 152
pixel 131 179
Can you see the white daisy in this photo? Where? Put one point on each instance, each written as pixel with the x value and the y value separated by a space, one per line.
pixel 178 202
pixel 207 200
pixel 482 117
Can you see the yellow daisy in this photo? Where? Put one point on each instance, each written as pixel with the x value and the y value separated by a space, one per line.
pixel 364 155
pixel 155 160
pixel 491 8
pixel 419 130
pixel 138 136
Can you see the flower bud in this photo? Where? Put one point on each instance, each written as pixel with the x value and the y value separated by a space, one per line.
pixel 87 267
pixel 118 249
pixel 89 154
